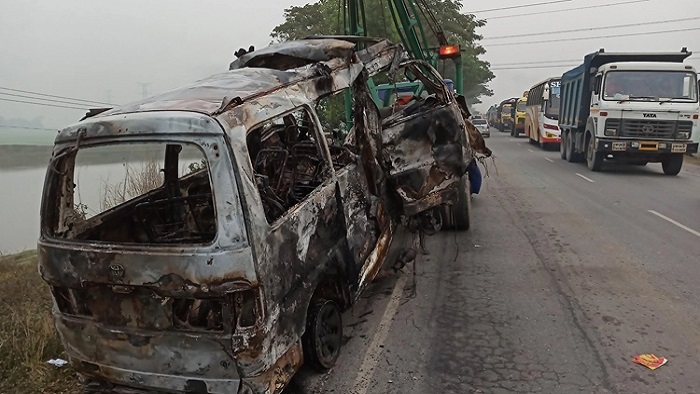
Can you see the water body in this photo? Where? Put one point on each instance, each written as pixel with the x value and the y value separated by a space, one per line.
pixel 20 198
pixel 97 169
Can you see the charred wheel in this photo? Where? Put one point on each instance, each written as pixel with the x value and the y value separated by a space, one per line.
pixel 324 334
pixel 461 211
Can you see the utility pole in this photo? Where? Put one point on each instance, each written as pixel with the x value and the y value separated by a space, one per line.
pixel 144 88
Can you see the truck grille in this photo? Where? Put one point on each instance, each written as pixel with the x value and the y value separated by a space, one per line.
pixel 639 128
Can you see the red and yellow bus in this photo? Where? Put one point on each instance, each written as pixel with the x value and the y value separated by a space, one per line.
pixel 542 114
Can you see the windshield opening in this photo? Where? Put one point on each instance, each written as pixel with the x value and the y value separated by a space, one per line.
pixel 521 106
pixel 552 108
pixel 650 86
pixel 478 121
pixel 157 193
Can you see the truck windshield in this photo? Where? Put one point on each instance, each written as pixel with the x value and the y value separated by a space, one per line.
pixel 140 193
pixel 521 106
pixel 650 86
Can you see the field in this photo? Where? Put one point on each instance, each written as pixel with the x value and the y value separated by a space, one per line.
pixel 27 335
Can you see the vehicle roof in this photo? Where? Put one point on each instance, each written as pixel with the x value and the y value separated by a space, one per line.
pixel 544 81
pixel 210 94
pixel 253 74
pixel 593 61
pixel 651 66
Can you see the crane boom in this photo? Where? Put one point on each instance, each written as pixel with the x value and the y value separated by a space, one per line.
pixel 406 15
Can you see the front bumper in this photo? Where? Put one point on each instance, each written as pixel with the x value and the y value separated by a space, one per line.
pixel 641 148
pixel 551 140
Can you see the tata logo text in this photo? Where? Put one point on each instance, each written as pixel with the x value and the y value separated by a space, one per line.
pixel 649 115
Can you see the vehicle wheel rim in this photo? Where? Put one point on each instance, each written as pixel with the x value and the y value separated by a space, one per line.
pixel 590 153
pixel 328 335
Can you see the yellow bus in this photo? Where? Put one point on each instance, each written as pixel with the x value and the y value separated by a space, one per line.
pixel 519 122
pixel 542 114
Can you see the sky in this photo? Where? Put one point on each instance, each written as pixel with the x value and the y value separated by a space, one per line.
pixel 115 51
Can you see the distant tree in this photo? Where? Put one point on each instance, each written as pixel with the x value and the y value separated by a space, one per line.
pixel 324 17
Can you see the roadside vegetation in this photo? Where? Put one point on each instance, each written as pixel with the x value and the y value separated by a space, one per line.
pixel 27 335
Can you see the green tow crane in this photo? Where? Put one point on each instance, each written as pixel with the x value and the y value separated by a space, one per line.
pixel 406 18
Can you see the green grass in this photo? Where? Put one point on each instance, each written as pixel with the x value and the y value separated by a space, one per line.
pixel 27 335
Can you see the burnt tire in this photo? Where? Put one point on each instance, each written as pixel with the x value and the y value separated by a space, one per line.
pixel 672 165
pixel 462 210
pixel 323 337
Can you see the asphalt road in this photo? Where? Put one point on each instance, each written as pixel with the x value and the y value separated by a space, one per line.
pixel 565 276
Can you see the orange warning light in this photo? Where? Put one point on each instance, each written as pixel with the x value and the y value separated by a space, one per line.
pixel 449 51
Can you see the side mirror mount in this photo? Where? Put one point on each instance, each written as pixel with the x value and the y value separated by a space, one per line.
pixel 597 84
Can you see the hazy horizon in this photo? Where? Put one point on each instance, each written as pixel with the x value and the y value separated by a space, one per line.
pixel 116 52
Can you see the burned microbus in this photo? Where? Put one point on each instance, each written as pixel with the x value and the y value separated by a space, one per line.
pixel 207 239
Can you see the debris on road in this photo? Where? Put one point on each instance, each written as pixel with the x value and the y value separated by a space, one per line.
pixel 58 362
pixel 650 361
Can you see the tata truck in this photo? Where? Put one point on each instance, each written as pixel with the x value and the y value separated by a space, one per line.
pixel 634 108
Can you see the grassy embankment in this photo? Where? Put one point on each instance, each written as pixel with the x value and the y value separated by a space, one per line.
pixel 27 335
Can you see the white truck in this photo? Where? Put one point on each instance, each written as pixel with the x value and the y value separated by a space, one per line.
pixel 630 107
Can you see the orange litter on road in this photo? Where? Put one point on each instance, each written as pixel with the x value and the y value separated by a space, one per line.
pixel 650 361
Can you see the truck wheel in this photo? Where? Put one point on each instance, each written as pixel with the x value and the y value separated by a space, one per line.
pixel 562 146
pixel 323 337
pixel 462 210
pixel 570 150
pixel 672 164
pixel 593 159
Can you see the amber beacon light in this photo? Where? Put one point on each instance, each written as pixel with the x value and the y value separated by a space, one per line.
pixel 449 51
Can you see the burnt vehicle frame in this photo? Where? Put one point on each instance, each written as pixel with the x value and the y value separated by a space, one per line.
pixel 206 283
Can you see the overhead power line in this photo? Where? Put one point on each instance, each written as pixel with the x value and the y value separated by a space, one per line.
pixel 536 62
pixel 594 28
pixel 41 99
pixel 533 67
pixel 55 96
pixel 44 104
pixel 594 37
pixel 549 64
pixel 520 6
pixel 568 61
pixel 26 127
pixel 567 9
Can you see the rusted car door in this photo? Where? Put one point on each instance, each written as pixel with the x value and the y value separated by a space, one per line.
pixel 425 146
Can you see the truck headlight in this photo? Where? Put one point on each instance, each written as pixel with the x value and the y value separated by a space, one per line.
pixel 684 135
pixel 610 132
